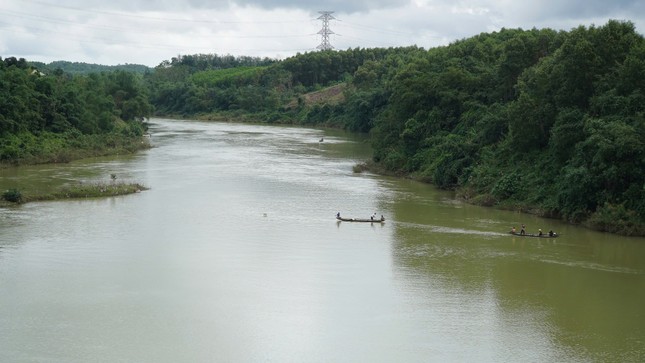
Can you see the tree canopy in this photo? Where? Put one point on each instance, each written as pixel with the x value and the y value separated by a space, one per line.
pixel 538 120
pixel 41 114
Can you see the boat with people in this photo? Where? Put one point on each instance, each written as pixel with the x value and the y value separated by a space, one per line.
pixel 540 234
pixel 372 219
pixel 361 220
pixel 544 235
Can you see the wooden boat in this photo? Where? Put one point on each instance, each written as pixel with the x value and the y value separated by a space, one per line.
pixel 544 235
pixel 361 220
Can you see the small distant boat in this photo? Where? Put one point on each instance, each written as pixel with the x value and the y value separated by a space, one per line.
pixel 361 220
pixel 544 235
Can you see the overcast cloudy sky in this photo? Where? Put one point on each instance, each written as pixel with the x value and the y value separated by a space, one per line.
pixel 149 32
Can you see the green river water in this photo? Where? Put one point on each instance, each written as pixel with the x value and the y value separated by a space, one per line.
pixel 234 255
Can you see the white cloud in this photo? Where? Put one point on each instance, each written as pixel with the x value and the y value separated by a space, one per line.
pixel 144 32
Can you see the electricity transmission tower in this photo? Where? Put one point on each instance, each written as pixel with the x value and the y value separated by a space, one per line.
pixel 325 31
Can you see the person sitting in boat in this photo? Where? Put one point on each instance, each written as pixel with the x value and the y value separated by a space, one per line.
pixel 551 233
pixel 382 218
pixel 338 215
pixel 523 230
pixel 513 230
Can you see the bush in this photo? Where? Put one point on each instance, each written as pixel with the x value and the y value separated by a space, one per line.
pixel 507 186
pixel 12 195
pixel 394 160
pixel 615 218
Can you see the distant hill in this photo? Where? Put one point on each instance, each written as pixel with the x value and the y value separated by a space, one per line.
pixel 85 68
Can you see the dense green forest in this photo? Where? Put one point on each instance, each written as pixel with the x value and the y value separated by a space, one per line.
pixel 543 121
pixel 548 122
pixel 537 120
pixel 57 117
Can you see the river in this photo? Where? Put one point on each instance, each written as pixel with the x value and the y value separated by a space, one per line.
pixel 234 255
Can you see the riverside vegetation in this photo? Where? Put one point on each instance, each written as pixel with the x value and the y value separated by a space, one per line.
pixel 75 191
pixel 542 121
pixel 58 117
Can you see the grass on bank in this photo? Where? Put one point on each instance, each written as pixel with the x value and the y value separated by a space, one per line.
pixel 26 148
pixel 76 191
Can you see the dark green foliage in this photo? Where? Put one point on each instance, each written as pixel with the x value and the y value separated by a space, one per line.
pixel 43 116
pixel 507 186
pixel 566 132
pixel 190 85
pixel 203 62
pixel 453 160
pixel 552 121
pixel 539 120
pixel 321 68
pixel 12 195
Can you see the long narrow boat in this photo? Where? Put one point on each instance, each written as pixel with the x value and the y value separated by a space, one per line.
pixel 361 220
pixel 545 235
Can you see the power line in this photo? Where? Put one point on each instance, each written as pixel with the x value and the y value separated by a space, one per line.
pixel 138 16
pixel 373 29
pixel 139 45
pixel 14 14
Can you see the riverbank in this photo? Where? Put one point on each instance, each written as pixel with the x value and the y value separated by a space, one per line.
pixel 49 148
pixel 613 219
pixel 77 191
pixel 232 117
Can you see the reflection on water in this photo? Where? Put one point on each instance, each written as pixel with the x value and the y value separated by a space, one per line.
pixel 234 254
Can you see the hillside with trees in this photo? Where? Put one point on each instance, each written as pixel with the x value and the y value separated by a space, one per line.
pixel 551 123
pixel 202 84
pixel 57 117
pixel 543 121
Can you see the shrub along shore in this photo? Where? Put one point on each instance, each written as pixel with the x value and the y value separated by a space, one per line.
pixel 615 219
pixel 49 148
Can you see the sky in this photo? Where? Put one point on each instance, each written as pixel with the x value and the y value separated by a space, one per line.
pixel 149 32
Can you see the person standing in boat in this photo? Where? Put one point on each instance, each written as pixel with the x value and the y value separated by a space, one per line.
pixel 540 232
pixel 373 216
pixel 523 230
